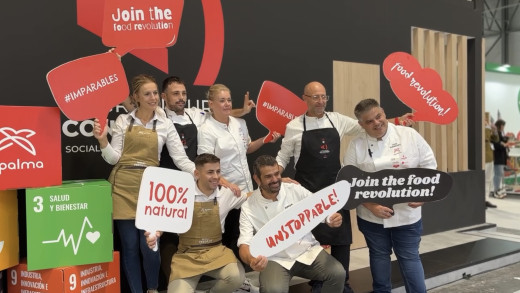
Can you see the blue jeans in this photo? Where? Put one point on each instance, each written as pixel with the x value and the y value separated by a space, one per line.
pixel 405 242
pixel 499 176
pixel 133 241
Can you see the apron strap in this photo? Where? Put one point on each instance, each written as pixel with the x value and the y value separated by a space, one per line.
pixel 131 123
pixel 305 126
pixel 189 118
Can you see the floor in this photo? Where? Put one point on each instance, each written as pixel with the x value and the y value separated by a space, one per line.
pixel 483 258
pixel 489 273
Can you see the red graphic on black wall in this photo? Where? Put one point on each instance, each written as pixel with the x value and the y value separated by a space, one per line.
pixel 29 147
pixel 90 15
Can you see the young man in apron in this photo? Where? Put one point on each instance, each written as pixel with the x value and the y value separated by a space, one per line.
pixel 200 250
pixel 186 122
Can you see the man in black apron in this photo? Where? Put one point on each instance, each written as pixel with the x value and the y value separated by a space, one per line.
pixel 313 139
pixel 318 164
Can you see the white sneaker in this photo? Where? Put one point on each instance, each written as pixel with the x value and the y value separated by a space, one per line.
pixel 247 287
pixel 499 195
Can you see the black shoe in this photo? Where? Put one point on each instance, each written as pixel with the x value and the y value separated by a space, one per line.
pixel 347 289
pixel 316 286
pixel 490 205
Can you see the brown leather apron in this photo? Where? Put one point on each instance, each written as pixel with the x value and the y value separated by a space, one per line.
pixel 140 150
pixel 200 249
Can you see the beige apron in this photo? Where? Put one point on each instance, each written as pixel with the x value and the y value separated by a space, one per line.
pixel 200 249
pixel 140 150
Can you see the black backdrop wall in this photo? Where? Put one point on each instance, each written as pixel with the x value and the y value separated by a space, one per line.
pixel 290 42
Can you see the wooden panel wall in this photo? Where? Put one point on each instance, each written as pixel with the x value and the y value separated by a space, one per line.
pixel 447 54
pixel 353 82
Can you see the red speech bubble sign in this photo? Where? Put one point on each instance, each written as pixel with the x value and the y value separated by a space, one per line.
pixel 137 24
pixel 420 89
pixel 89 87
pixel 276 106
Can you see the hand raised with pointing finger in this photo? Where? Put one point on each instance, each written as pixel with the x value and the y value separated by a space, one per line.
pixel 248 104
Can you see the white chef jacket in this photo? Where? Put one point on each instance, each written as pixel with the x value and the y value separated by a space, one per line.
pixel 400 148
pixel 257 211
pixel 292 141
pixel 226 201
pixel 197 115
pixel 229 143
pixel 166 134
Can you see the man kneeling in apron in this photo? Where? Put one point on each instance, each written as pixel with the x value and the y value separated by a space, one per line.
pixel 201 251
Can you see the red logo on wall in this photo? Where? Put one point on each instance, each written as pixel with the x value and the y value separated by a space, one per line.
pixel 30 143
pixel 132 24
pixel 90 16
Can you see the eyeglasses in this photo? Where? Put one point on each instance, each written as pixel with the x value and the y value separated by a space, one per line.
pixel 316 97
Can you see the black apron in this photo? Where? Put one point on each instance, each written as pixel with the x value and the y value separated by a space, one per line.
pixel 317 168
pixel 188 135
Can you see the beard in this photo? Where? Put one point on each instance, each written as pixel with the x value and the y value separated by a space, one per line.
pixel 272 187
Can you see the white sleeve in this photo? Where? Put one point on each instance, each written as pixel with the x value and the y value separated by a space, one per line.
pixel 205 140
pixel 426 155
pixel 287 147
pixel 247 231
pixel 350 158
pixel 348 126
pixel 176 149
pixel 112 152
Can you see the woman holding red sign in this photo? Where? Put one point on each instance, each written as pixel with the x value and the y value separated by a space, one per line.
pixel 137 141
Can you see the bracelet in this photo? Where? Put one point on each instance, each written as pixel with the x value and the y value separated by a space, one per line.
pixel 396 121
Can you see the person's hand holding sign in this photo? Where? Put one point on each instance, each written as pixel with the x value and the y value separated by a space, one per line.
pixel 406 120
pixel 415 204
pixel 379 211
pixel 152 239
pixel 258 263
pixel 100 134
pixel 334 220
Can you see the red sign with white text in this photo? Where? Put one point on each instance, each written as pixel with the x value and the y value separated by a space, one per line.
pixel 100 277
pixel 276 106
pixel 137 24
pixel 30 147
pixel 89 87
pixel 420 89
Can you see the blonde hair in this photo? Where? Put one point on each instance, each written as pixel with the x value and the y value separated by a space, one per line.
pixel 136 84
pixel 215 89
pixel 138 81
